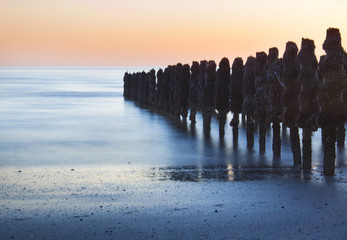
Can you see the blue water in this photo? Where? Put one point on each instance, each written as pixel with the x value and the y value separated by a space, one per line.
pixel 77 116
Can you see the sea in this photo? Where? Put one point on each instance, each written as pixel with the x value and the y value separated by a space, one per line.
pixel 77 116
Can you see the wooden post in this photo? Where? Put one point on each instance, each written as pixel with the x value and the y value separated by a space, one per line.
pixel 236 95
pixel 309 108
pixel 249 96
pixel 333 109
pixel 209 95
pixel 261 97
pixel 222 93
pixel 193 92
pixel 291 97
pixel 274 73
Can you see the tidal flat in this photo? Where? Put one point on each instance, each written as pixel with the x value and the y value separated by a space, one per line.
pixel 171 203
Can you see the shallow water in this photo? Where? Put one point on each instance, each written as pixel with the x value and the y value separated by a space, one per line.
pixel 77 116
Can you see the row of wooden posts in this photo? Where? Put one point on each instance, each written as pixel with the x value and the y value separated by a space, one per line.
pixel 296 90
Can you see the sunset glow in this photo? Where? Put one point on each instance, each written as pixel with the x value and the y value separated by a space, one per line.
pixel 153 32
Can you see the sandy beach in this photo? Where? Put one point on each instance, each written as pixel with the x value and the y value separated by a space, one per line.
pixel 173 120
pixel 159 203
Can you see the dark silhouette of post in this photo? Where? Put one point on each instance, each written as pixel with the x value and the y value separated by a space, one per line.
pixel 140 86
pixel 222 93
pixel 236 96
pixel 172 89
pixel 194 92
pixel 341 130
pixel 261 97
pixel 178 87
pixel 291 95
pixel 209 95
pixel 249 99
pixel 308 109
pixel 333 110
pixel 185 83
pixel 201 85
pixel 152 88
pixel 133 85
pixel 159 100
pixel 166 89
pixel 145 98
pixel 126 85
pixel 274 73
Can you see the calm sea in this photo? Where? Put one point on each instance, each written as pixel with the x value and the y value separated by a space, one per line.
pixel 77 116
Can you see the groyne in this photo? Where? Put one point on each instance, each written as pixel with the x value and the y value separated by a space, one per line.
pixel 295 91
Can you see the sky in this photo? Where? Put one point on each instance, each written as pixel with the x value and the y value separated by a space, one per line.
pixel 158 32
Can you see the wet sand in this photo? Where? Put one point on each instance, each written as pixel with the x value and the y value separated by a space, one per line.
pixel 143 203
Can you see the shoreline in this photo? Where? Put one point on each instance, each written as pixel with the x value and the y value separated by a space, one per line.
pixel 109 203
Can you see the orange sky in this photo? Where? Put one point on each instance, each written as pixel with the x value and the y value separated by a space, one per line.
pixel 157 32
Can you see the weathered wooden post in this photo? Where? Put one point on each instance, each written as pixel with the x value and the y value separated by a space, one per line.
pixel 185 83
pixel 126 85
pixel 291 97
pixel 222 93
pixel 209 95
pixel 165 96
pixel 309 109
pixel 332 106
pixel 193 92
pixel 249 99
pixel 172 89
pixel 341 130
pixel 261 97
pixel 178 89
pixel 201 85
pixel 146 88
pixel 159 103
pixel 140 86
pixel 236 96
pixel 134 86
pixel 274 73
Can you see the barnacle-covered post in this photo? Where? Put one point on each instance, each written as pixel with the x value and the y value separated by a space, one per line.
pixel 236 95
pixel 332 106
pixel 308 104
pixel 249 99
pixel 291 97
pixel 261 97
pixel 274 71
pixel 222 93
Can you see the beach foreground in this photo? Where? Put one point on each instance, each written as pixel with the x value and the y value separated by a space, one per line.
pixel 139 203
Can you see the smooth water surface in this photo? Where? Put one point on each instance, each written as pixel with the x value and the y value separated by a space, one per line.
pixel 77 116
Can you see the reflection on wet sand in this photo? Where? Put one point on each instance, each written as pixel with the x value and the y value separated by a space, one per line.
pixel 229 173
pixel 222 153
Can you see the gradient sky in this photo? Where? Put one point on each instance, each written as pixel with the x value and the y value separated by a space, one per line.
pixel 158 32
